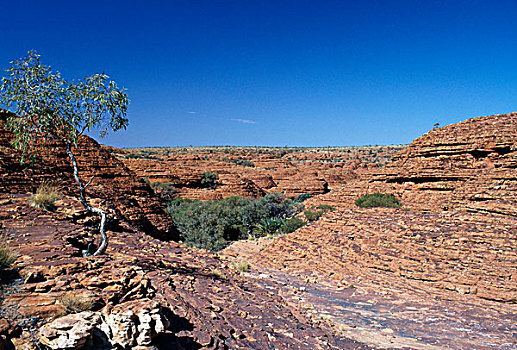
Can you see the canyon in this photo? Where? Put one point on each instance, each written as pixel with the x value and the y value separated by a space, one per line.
pixel 439 272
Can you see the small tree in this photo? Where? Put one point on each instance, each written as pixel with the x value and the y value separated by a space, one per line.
pixel 51 109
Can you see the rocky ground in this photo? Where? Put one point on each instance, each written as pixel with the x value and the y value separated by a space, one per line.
pixel 440 272
pixel 145 293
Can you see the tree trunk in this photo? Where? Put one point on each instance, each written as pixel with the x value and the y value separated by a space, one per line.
pixel 98 211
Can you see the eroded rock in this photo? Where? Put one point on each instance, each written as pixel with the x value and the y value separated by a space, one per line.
pixel 125 326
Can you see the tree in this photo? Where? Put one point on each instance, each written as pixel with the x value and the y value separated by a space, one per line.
pixel 51 109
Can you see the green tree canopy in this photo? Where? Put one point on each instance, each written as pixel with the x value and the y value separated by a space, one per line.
pixel 48 107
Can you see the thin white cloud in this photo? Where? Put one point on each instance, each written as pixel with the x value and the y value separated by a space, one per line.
pixel 192 112
pixel 244 121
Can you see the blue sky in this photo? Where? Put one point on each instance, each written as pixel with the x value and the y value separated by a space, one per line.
pixel 297 73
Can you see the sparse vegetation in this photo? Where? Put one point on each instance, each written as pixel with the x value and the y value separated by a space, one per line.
pixel 74 302
pixel 209 179
pixel 326 207
pixel 302 197
pixel 313 215
pixel 239 161
pixel 46 195
pixel 166 191
pixel 241 265
pixel 291 225
pixel 7 256
pixel 378 200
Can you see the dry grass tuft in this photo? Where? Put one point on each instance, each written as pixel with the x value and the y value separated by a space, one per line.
pixel 7 256
pixel 46 194
pixel 242 266
pixel 74 302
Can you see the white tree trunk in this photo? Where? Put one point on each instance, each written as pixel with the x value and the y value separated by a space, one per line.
pixel 98 211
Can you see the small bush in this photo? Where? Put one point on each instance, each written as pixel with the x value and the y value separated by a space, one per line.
pixel 313 215
pixel 209 179
pixel 46 195
pixel 378 200
pixel 291 225
pixel 7 256
pixel 302 198
pixel 75 302
pixel 242 266
pixel 270 226
pixel 164 190
pixel 240 161
pixel 326 208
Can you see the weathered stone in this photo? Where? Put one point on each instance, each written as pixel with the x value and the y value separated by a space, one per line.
pixel 134 323
pixel 71 331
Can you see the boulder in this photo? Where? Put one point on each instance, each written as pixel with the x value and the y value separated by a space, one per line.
pixel 126 326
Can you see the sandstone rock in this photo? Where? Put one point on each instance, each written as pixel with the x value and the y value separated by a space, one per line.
pixel 294 173
pixel 114 184
pixel 71 331
pixel 134 323
pixel 125 326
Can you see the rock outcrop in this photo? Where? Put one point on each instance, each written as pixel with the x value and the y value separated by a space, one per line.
pixel 146 292
pixel 124 326
pixel 466 166
pixel 129 199
pixel 453 239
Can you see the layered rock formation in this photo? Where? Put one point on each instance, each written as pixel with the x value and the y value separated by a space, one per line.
pixel 453 239
pixel 145 293
pixel 290 171
pixel 125 196
pixel 466 166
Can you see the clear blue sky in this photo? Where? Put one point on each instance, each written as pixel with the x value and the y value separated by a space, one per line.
pixel 305 73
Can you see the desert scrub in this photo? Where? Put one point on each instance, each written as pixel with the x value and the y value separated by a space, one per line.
pixel 7 256
pixel 302 197
pixel 46 195
pixel 313 215
pixel 74 302
pixel 242 266
pixel 240 161
pixel 209 179
pixel 326 208
pixel 378 200
pixel 214 224
pixel 292 224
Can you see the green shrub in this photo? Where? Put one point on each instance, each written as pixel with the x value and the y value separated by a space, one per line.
pixel 378 200
pixel 313 215
pixel 302 197
pixel 269 226
pixel 291 225
pixel 7 256
pixel 46 195
pixel 209 179
pixel 213 224
pixel 326 208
